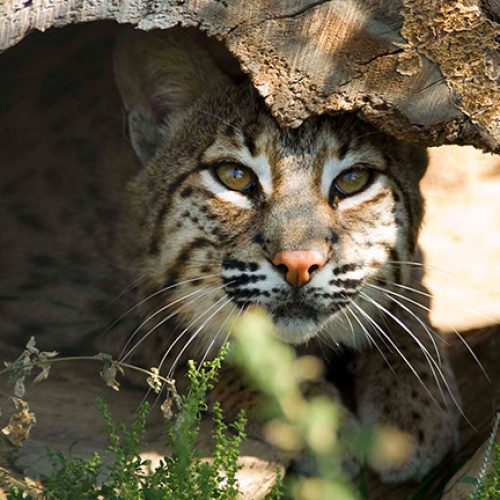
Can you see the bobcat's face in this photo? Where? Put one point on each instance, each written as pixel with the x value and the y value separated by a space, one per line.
pixel 232 210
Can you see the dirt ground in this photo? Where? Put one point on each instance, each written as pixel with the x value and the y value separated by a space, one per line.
pixel 461 242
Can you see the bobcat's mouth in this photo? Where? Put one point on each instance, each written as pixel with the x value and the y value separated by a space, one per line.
pixel 296 329
pixel 297 310
pixel 298 313
pixel 297 321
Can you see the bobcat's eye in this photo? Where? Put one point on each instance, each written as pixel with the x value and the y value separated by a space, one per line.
pixel 236 177
pixel 353 181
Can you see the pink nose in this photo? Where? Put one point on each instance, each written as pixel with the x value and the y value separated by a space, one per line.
pixel 299 264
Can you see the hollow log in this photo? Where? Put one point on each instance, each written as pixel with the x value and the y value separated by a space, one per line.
pixel 421 70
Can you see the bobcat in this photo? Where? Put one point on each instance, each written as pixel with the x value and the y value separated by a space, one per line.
pixel 318 225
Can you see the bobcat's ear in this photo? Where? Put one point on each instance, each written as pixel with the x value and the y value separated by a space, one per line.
pixel 160 75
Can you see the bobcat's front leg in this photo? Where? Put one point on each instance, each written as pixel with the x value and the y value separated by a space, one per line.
pixel 410 400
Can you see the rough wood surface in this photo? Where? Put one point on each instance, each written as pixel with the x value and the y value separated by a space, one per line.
pixel 419 69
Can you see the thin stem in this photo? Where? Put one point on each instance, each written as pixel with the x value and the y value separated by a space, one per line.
pixel 101 360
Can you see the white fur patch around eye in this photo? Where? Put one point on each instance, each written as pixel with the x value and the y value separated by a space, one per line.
pixel 332 169
pixel 234 197
pixel 377 186
pixel 262 169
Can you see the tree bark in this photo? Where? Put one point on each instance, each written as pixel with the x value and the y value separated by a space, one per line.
pixel 422 70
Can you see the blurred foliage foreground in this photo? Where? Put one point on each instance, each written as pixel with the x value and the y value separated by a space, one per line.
pixel 313 428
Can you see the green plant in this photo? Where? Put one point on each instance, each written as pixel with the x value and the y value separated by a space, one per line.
pixel 296 424
pixel 488 482
pixel 185 474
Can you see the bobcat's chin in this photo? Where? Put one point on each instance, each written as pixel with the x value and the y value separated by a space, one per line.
pixel 296 330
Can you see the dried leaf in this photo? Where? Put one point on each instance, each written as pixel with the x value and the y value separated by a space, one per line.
pixel 44 356
pixel 31 346
pixel 20 422
pixel 154 380
pixel 43 362
pixel 109 372
pixel 43 375
pixel 166 410
pixel 19 387
pixel 21 368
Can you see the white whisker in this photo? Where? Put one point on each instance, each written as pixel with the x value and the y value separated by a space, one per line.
pixel 195 334
pixel 149 297
pixel 473 354
pixel 186 329
pixel 351 326
pixel 209 348
pixel 478 315
pixel 388 294
pixel 424 350
pixel 426 353
pixel 467 346
pixel 157 312
pixel 126 290
pixel 403 357
pixel 164 320
pixel 363 327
